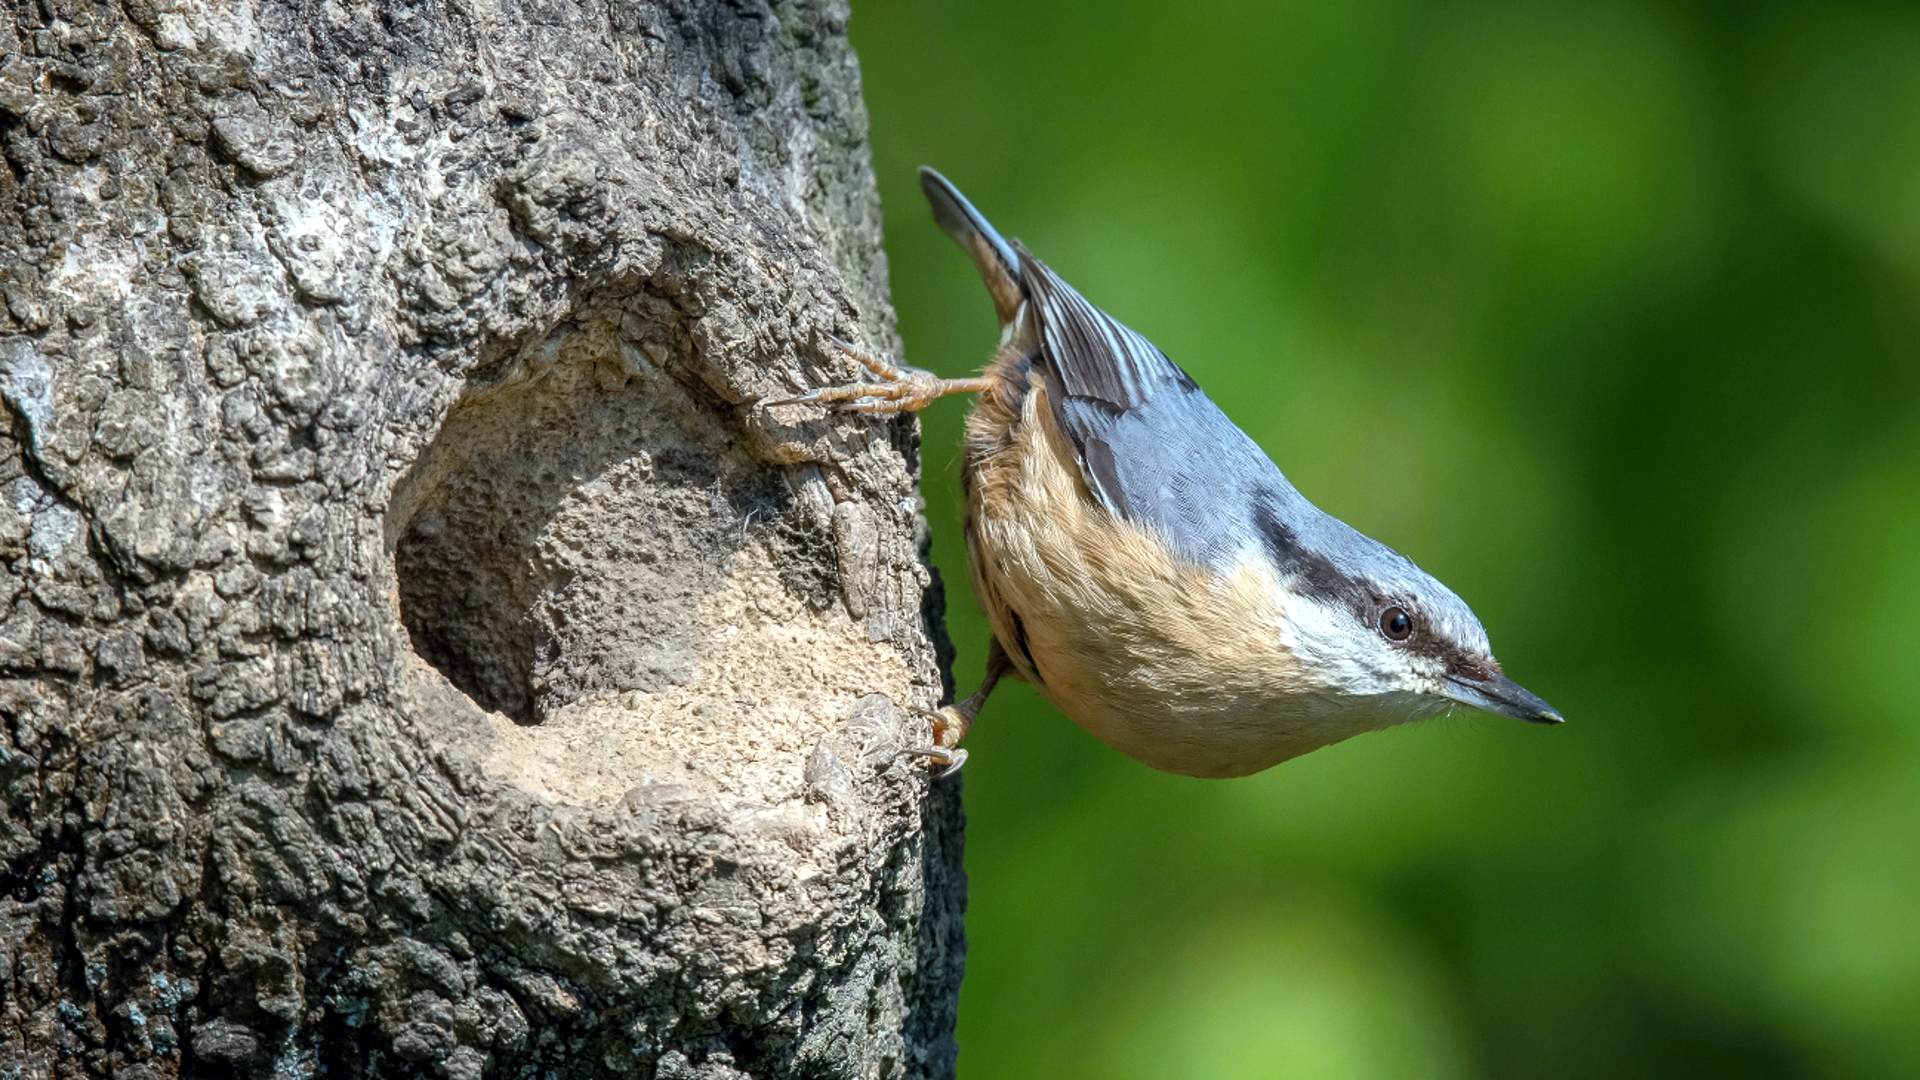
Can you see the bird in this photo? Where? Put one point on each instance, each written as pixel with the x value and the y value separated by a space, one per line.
pixel 1147 567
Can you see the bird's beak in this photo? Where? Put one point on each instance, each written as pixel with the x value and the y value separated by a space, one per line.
pixel 1501 696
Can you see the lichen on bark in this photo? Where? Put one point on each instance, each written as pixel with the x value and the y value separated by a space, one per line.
pixel 420 655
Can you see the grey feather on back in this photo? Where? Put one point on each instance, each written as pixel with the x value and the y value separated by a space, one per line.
pixel 1155 451
pixel 1152 448
pixel 1176 465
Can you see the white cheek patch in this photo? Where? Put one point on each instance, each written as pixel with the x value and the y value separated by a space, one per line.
pixel 1341 655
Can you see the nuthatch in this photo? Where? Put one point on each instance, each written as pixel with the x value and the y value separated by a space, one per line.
pixel 1149 569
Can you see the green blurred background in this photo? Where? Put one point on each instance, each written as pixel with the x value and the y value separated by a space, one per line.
pixel 1603 312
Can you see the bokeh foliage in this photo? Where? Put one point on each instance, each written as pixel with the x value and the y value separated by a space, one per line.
pixel 1608 314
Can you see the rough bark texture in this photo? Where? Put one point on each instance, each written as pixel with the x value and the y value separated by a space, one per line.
pixel 418 655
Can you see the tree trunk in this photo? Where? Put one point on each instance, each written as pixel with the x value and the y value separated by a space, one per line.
pixel 419 655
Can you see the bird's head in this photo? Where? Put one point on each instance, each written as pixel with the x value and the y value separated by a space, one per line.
pixel 1366 625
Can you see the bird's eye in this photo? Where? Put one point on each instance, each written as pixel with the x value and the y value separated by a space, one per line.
pixel 1396 624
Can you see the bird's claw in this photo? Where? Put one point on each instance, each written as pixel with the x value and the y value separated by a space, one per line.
pixel 938 756
pixel 843 345
pixel 948 725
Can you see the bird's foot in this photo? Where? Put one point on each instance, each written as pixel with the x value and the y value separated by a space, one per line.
pixel 949 727
pixel 897 387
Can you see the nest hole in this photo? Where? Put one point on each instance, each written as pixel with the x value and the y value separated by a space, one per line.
pixel 553 539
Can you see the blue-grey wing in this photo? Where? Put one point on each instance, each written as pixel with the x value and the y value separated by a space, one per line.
pixel 1152 447
pixel 1176 464
pixel 1090 355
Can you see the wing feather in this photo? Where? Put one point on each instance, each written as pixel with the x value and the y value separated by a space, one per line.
pixel 1091 354
pixel 1151 446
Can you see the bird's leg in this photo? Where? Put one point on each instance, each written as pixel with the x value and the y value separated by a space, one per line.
pixel 951 723
pixel 898 388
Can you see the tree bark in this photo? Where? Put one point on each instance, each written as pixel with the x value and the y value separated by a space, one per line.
pixel 419 653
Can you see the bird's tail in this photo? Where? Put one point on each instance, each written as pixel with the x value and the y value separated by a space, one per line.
pixel 999 267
